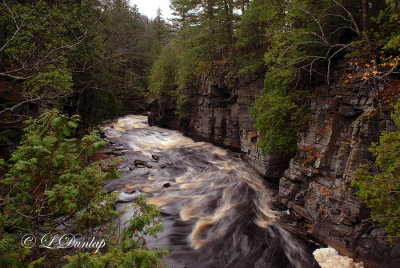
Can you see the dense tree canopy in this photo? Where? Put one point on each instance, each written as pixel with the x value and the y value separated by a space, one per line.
pixel 76 55
pixel 297 45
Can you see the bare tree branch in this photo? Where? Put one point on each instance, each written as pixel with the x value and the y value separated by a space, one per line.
pixel 18 26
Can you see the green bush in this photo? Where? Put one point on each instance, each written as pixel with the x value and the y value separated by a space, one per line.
pixel 52 185
pixel 129 250
pixel 278 119
pixel 381 190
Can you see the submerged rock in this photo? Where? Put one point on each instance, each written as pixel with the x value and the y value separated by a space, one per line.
pixel 128 197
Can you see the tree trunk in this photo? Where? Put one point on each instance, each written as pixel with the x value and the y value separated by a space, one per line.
pixel 3 40
pixel 210 15
pixel 364 20
pixel 228 14
pixel 243 5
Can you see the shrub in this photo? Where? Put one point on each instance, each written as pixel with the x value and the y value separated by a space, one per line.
pixel 53 186
pixel 381 190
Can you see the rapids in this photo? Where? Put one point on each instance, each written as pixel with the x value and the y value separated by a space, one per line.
pixel 216 210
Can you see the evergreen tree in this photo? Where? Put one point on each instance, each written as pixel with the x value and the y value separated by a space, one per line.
pixel 381 190
pixel 53 186
pixel 52 53
pixel 79 56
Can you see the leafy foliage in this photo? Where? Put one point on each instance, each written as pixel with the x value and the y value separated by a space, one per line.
pixel 163 76
pixel 297 44
pixel 205 33
pixel 53 186
pixel 51 183
pixel 306 41
pixel 183 106
pixel 131 248
pixel 278 111
pixel 168 81
pixel 278 120
pixel 381 190
pixel 251 37
pixel 85 57
pixel 54 54
pixel 387 32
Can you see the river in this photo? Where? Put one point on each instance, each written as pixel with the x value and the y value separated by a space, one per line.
pixel 216 210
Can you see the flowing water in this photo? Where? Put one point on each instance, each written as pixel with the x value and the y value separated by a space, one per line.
pixel 216 210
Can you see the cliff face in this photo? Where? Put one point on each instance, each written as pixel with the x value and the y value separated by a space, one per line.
pixel 316 184
pixel 220 114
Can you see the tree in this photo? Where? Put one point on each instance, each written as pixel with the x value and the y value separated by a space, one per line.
pixel 185 12
pixel 160 27
pixel 306 40
pixel 386 32
pixel 134 43
pixel 205 32
pixel 79 56
pixel 51 55
pixel 132 251
pixel 297 45
pixel 37 51
pixel 214 21
pixel 163 76
pixel 52 185
pixel 252 41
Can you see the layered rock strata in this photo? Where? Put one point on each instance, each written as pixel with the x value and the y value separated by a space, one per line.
pixel 220 114
pixel 316 184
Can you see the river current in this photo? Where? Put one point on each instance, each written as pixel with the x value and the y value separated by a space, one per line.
pixel 216 210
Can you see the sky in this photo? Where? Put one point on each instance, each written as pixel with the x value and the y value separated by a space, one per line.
pixel 149 7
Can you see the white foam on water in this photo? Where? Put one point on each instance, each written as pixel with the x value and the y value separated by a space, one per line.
pixel 217 207
pixel 330 258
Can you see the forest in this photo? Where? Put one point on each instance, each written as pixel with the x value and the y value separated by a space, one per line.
pixel 70 67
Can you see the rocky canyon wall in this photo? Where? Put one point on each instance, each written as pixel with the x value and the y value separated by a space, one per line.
pixel 315 184
pixel 220 114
